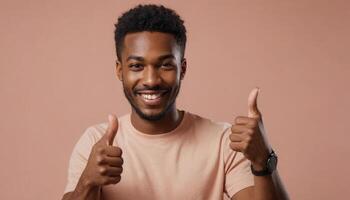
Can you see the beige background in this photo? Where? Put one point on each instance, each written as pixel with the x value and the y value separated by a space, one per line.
pixel 57 78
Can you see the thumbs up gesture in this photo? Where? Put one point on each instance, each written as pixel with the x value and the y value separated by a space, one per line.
pixel 105 162
pixel 248 134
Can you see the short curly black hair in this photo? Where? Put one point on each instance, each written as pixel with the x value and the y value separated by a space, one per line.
pixel 149 17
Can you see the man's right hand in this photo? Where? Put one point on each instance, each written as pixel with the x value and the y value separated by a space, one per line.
pixel 105 162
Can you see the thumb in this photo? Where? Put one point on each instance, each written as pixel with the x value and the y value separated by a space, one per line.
pixel 253 110
pixel 111 130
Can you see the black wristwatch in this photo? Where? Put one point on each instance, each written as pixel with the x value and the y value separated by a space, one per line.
pixel 271 165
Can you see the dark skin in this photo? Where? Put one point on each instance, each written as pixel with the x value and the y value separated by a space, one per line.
pixel 151 61
pixel 151 71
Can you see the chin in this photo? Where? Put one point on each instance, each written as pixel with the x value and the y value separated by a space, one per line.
pixel 151 116
pixel 154 114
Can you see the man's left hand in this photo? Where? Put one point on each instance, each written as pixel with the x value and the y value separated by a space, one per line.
pixel 248 134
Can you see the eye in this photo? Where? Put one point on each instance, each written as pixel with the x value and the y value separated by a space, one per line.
pixel 135 67
pixel 168 66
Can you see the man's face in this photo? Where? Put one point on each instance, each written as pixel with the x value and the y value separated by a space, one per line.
pixel 151 70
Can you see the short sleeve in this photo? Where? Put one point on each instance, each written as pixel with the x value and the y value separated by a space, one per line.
pixel 238 174
pixel 79 158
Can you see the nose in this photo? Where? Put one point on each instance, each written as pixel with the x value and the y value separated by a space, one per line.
pixel 151 77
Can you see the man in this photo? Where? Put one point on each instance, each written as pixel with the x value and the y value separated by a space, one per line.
pixel 159 152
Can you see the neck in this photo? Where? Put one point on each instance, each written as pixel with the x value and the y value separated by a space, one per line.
pixel 166 124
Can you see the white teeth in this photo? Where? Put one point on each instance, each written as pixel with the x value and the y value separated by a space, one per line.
pixel 150 96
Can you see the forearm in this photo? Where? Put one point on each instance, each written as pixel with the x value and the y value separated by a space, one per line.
pixel 84 191
pixel 269 188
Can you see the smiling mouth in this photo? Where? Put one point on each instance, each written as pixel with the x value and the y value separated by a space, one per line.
pixel 152 97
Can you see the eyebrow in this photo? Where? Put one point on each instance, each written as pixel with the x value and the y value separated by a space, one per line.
pixel 139 58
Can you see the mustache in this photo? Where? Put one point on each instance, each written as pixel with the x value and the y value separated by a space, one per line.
pixel 155 88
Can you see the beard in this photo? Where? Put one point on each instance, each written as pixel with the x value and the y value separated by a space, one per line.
pixel 154 117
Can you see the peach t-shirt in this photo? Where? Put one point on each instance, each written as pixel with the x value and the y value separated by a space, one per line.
pixel 194 162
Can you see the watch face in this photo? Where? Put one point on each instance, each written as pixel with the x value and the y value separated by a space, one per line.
pixel 272 163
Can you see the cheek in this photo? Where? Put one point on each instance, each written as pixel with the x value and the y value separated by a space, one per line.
pixel 171 78
pixel 130 79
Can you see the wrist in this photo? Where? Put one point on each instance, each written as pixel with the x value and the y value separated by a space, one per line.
pixel 259 166
pixel 260 163
pixel 265 166
pixel 86 184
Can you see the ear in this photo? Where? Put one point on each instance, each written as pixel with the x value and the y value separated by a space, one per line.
pixel 183 68
pixel 118 69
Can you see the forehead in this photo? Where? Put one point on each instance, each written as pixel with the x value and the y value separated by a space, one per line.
pixel 146 44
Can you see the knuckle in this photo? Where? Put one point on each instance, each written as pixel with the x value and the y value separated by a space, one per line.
pixel 248 139
pixel 114 180
pixel 115 150
pixel 121 161
pixel 102 170
pixel 234 147
pixel 100 150
pixel 238 119
pixel 254 123
pixel 231 137
pixel 119 151
pixel 99 160
pixel 117 179
pixel 233 128
pixel 250 131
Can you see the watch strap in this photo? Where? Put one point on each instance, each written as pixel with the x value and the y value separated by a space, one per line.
pixel 264 172
pixel 267 170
